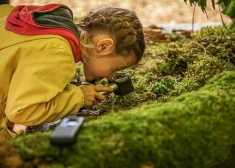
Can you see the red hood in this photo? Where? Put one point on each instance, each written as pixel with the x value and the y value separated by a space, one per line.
pixel 35 20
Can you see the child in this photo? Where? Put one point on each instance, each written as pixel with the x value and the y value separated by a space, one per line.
pixel 39 46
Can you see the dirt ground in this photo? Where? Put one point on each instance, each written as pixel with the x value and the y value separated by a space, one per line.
pixel 149 11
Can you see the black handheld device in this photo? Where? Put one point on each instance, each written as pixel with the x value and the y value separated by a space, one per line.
pixel 65 133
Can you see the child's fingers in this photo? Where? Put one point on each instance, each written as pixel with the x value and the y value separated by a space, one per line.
pixel 93 95
pixel 99 97
pixel 99 88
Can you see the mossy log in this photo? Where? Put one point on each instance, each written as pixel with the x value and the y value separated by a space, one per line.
pixel 194 130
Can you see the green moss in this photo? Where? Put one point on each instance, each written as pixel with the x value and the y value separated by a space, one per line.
pixel 189 63
pixel 196 129
pixel 176 37
pixel 164 86
pixel 217 31
pixel 43 145
pixel 203 69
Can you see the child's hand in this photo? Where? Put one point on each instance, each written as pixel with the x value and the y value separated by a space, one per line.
pixel 92 95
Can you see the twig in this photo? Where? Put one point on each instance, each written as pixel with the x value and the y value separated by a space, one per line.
pixel 202 47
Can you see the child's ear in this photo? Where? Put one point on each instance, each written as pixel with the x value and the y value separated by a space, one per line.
pixel 105 46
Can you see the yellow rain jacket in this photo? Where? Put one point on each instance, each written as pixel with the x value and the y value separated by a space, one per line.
pixel 5 9
pixel 35 71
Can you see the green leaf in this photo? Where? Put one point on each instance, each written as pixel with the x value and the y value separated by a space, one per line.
pixel 202 4
pixel 229 10
pixel 213 3
pixel 232 25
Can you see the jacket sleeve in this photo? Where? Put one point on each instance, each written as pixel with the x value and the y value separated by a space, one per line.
pixel 39 90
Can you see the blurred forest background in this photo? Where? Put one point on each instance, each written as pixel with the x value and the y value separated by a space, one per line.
pixel 149 11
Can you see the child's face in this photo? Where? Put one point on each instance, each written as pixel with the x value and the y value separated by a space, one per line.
pixel 106 66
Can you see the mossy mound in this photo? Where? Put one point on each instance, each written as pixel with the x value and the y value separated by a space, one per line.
pixel 171 69
pixel 196 129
